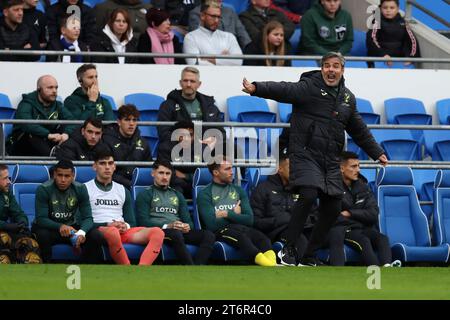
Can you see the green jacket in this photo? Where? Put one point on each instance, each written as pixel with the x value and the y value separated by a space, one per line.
pixel 81 108
pixel 223 197
pixel 70 207
pixel 156 207
pixel 10 209
pixel 32 109
pixel 321 34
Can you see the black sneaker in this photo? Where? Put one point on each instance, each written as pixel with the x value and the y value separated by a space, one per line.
pixel 310 262
pixel 288 256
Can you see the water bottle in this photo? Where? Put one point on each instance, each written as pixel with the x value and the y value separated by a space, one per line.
pixel 73 238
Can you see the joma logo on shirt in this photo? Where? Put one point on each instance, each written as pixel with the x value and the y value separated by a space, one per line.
pixel 225 207
pixel 165 210
pixel 106 202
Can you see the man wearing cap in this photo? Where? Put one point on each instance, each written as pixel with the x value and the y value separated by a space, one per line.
pixel 272 202
pixel 62 210
pixel 323 110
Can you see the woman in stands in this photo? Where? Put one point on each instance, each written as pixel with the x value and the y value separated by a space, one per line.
pixel 393 36
pixel 272 43
pixel 159 38
pixel 116 36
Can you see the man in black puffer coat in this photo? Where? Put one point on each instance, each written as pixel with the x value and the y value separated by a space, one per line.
pixel 323 109
pixel 272 203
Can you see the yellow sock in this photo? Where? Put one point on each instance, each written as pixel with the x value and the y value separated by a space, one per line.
pixel 262 260
pixel 270 254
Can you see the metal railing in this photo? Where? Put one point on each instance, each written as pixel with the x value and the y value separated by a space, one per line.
pixel 412 3
pixel 209 56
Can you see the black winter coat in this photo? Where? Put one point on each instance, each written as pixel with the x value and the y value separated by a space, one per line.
pixel 319 120
pixel 173 109
pixel 77 149
pixel 272 203
pixel 361 203
pixel 16 40
pixel 126 149
pixel 103 44
pixel 394 38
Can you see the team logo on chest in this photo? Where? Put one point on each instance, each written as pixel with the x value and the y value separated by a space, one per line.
pixel 174 201
pixel 233 195
pixel 71 202
pixel 106 202
pixel 6 198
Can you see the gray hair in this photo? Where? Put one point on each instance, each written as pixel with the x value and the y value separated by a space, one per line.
pixel 330 55
pixel 191 70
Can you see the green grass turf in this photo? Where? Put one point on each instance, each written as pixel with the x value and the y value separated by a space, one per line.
pixel 221 282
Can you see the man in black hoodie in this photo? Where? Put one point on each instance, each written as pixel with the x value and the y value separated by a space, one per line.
pixel 36 20
pixel 125 141
pixel 188 104
pixel 323 109
pixel 83 144
pixel 15 34
pixel 357 223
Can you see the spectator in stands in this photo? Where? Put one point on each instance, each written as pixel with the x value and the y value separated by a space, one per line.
pixel 58 11
pixel 86 101
pixel 36 20
pixel 14 226
pixel 293 9
pixel 161 206
pixel 392 37
pixel 272 202
pixel 259 14
pixel 159 38
pixel 185 145
pixel 38 139
pixel 357 223
pixel 187 104
pixel 229 22
pixel 124 140
pixel 272 43
pixel 326 27
pixel 62 211
pixel 224 209
pixel 83 144
pixel 208 39
pixel 323 109
pixel 136 11
pixel 15 34
pixel 113 214
pixel 116 36
pixel 178 10
pixel 68 41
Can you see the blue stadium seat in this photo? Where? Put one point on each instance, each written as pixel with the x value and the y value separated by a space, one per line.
pixel 305 63
pixel 359 48
pixel 443 111
pixel 423 182
pixel 441 151
pixel 84 174
pixel 249 109
pixel 222 251
pixel 110 100
pixel 294 40
pixel 402 219
pixel 431 138
pixel 148 106
pixel 441 213
pixel 440 7
pixel 238 5
pixel 40 7
pixel 398 144
pixel 4 101
pixel 356 64
pixel 395 65
pixel 284 111
pixel 406 111
pixel 365 109
pixel 6 112
pixel 30 173
pixel 353 147
pixel 25 194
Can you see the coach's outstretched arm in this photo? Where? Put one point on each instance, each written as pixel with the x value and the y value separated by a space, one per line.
pixel 287 92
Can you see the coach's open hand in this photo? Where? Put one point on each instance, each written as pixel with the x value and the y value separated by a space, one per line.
pixel 248 86
pixel 383 160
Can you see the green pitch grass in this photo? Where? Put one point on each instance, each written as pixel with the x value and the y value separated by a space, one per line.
pixel 221 282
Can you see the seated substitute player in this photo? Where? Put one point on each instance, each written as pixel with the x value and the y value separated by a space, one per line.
pixel 356 225
pixel 161 206
pixel 62 208
pixel 112 211
pixel 16 242
pixel 224 208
